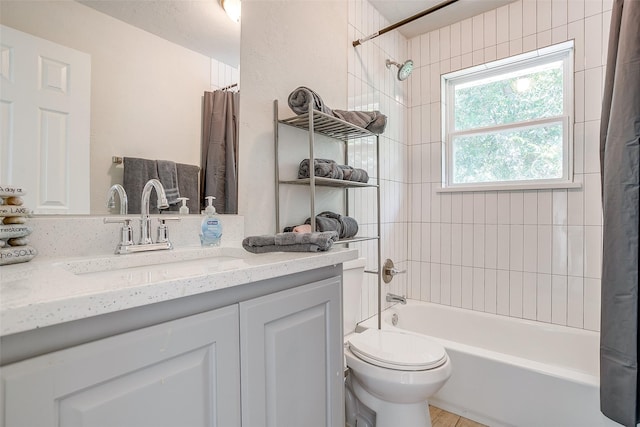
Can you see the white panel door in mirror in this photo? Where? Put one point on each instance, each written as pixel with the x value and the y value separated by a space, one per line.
pixel 45 112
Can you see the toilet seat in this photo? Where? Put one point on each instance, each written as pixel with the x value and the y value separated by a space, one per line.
pixel 397 350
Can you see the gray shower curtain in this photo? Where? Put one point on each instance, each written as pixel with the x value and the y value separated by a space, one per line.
pixel 219 177
pixel 620 168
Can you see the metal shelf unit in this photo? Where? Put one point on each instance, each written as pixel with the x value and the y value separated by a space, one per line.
pixel 316 122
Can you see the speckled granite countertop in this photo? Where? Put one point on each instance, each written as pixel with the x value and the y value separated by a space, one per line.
pixel 50 291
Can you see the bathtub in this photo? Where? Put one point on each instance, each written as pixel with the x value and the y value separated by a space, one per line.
pixel 506 371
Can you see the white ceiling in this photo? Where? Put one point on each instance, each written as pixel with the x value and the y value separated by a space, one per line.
pixel 199 25
pixel 202 25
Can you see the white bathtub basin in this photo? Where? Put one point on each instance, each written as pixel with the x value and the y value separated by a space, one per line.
pixel 506 371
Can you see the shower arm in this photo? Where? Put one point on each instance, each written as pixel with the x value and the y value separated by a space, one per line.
pixel 403 22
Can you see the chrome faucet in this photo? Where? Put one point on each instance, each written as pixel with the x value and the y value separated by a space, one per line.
pixel 126 245
pixel 122 195
pixel 145 219
pixel 396 298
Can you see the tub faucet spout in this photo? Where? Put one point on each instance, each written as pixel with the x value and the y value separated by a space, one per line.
pixel 396 298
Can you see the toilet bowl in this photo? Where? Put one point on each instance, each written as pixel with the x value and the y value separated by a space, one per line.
pixel 393 372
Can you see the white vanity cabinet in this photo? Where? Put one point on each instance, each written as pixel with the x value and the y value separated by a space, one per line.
pixel 267 353
pixel 292 365
pixel 179 373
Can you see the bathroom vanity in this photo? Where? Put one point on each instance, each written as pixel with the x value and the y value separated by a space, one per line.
pixel 204 337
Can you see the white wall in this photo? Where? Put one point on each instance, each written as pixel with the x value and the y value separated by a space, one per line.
pixel 285 44
pixel 146 93
pixel 374 87
pixel 527 254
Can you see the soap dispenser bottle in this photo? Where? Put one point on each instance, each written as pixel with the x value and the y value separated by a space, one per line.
pixel 211 226
pixel 184 209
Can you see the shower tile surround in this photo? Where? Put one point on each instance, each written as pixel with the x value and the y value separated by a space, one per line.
pixel 371 86
pixel 527 254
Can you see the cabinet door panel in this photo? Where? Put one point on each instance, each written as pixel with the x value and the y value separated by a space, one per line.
pixel 291 350
pixel 179 373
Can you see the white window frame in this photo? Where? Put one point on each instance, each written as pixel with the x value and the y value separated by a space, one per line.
pixel 561 51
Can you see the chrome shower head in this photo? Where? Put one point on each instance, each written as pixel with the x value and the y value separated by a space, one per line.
pixel 404 70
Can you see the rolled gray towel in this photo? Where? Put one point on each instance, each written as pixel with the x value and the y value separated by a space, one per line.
pixel 324 223
pixel 354 174
pixel 300 99
pixel 346 226
pixel 322 167
pixel 373 121
pixel 349 227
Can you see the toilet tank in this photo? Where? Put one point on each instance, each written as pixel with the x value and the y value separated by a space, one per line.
pixel 352 277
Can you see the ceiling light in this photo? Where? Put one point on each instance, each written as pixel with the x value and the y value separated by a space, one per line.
pixel 232 7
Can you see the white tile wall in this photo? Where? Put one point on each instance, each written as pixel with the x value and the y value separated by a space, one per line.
pixel 404 157
pixel 531 254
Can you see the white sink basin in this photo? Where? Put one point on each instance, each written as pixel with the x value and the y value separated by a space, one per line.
pixel 158 259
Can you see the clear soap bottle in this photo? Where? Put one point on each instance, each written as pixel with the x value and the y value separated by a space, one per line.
pixel 184 209
pixel 211 226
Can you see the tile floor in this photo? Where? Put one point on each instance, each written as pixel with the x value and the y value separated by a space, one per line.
pixel 442 418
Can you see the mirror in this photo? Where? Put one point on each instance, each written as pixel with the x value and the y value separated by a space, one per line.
pixel 150 64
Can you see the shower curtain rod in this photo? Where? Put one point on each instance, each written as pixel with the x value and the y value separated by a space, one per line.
pixel 229 87
pixel 404 21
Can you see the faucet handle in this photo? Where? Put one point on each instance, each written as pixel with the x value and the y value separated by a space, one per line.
pixel 163 218
pixel 126 232
pixel 163 231
pixel 389 270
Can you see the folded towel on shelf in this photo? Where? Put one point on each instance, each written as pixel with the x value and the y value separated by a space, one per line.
pixel 373 121
pixel 301 97
pixel 321 239
pixel 290 242
pixel 324 168
pixel 345 226
pixel 350 173
pixel 168 175
pixel 136 174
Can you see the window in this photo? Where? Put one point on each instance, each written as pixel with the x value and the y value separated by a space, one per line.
pixel 508 123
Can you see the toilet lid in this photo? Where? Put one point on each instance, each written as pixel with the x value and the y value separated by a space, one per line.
pixel 397 350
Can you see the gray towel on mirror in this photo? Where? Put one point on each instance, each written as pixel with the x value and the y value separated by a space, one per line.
pixel 300 99
pixel 350 173
pixel 324 168
pixel 136 174
pixel 188 182
pixel 168 175
pixel 373 121
pixel 290 242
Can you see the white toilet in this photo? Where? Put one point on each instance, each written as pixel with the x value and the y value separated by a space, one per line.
pixel 392 372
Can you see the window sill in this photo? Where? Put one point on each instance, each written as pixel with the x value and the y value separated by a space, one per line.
pixel 511 187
